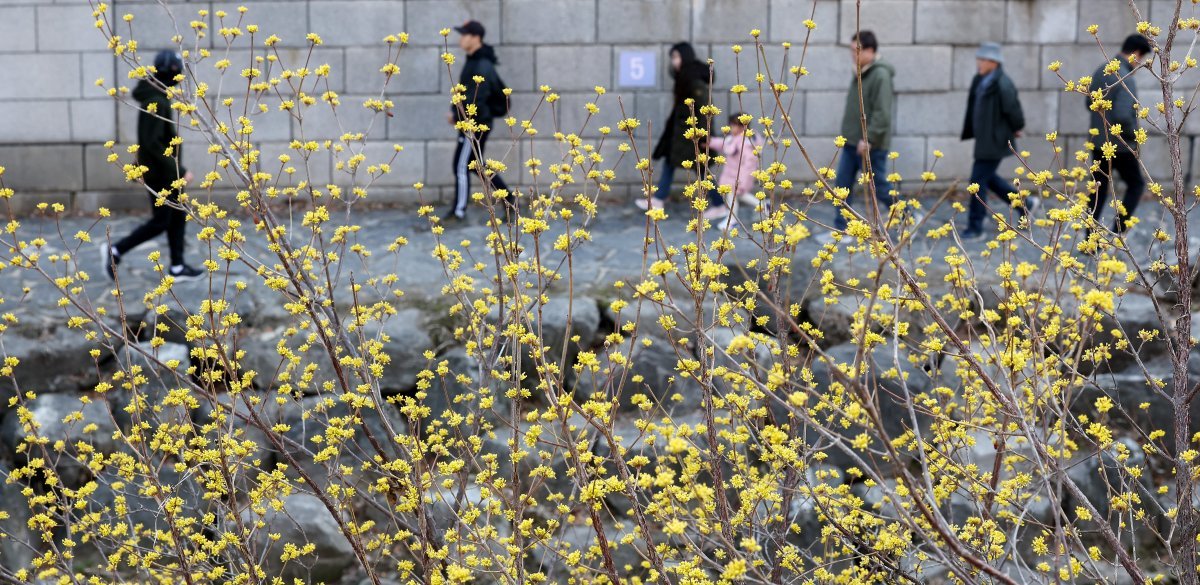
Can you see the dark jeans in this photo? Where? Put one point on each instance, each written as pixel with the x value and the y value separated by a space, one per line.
pixel 847 174
pixel 164 218
pixel 983 173
pixel 667 176
pixel 1126 164
pixel 464 153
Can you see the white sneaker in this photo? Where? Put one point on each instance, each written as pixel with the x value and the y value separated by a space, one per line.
pixel 654 203
pixel 823 239
pixel 716 212
pixel 749 199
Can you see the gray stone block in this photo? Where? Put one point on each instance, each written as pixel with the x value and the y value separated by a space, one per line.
pixel 439 164
pixel 1045 21
pixel 911 162
pixel 317 169
pixel 788 16
pixel 420 71
pixel 829 67
pixel 721 21
pixel 424 18
pixel 644 21
pixel 1115 19
pixel 408 166
pixel 363 23
pixel 1041 111
pixel 652 108
pixel 545 150
pixel 540 22
pixel 322 122
pixel 93 120
pixel 101 175
pixel 419 117
pixel 287 20
pixel 1021 63
pixel 69 28
pixel 46 168
pixel 101 65
pixel 955 164
pixel 921 68
pixel 35 121
pixel 153 26
pixel 954 21
pixel 731 68
pixel 1077 61
pixel 573 114
pixel 17 31
pixel 929 113
pixel 516 68
pixel 39 76
pixel 823 112
pixel 525 106
pixel 890 20
pixel 574 68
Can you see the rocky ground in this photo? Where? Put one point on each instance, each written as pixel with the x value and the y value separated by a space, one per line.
pixel 55 362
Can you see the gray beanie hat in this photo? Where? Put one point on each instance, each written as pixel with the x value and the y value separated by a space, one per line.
pixel 990 51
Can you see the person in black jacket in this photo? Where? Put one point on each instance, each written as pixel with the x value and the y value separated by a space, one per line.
pixel 994 119
pixel 692 79
pixel 163 174
pixel 1120 88
pixel 481 63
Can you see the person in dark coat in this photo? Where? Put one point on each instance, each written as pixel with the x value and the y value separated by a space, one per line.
pixel 994 119
pixel 481 62
pixel 692 78
pixel 164 173
pixel 1120 88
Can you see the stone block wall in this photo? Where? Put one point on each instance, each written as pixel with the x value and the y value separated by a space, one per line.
pixel 55 120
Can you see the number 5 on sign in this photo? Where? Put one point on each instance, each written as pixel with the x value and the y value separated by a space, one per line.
pixel 638 69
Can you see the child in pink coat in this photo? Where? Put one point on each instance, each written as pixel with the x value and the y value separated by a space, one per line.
pixel 740 165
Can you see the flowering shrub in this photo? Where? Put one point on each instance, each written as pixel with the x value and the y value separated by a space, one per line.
pixel 751 407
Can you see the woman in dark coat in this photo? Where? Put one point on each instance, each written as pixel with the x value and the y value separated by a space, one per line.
pixel 692 78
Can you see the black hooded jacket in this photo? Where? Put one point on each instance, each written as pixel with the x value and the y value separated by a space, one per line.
pixel 154 134
pixel 481 63
pixel 691 81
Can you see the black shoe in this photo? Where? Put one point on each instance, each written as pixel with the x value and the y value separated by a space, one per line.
pixel 110 261
pixel 971 234
pixel 185 272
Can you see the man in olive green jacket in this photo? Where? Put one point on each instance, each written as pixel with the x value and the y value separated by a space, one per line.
pixel 873 83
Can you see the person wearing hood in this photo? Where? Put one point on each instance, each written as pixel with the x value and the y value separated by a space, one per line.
pixel 873 82
pixel 1119 86
pixel 164 174
pixel 995 120
pixel 692 79
pixel 487 97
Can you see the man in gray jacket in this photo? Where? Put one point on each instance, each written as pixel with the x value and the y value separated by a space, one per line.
pixel 994 120
pixel 1120 88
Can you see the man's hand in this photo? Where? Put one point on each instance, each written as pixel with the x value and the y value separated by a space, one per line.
pixel 864 147
pixel 187 177
pixel 450 119
pixel 1019 133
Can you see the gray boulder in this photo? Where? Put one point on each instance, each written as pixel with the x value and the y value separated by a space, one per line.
pixel 16 540
pixel 405 338
pixel 313 416
pixel 146 403
pixel 47 413
pixel 303 520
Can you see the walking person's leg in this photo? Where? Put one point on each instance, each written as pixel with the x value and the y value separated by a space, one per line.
pixel 665 178
pixel 148 230
pixel 176 232
pixel 496 180
pixel 462 176
pixel 1126 163
pixel 847 172
pixel 1103 178
pixel 982 172
pixel 883 188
